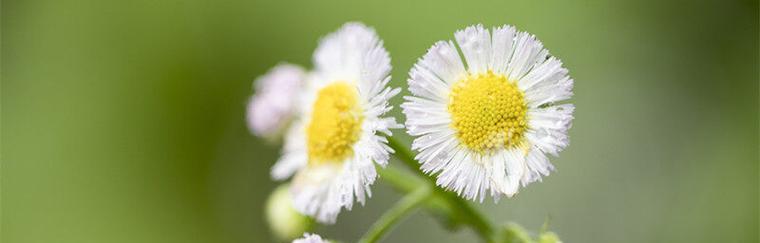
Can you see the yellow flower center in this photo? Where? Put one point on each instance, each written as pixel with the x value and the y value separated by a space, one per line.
pixel 335 124
pixel 488 112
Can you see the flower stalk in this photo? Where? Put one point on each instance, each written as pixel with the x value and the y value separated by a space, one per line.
pixel 456 207
pixel 404 207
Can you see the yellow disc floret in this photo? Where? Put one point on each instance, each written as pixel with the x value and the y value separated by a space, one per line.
pixel 335 124
pixel 488 112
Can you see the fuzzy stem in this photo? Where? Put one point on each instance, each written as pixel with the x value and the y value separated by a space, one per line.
pixel 402 208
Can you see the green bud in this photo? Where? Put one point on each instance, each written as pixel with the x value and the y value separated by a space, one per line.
pixel 549 237
pixel 285 222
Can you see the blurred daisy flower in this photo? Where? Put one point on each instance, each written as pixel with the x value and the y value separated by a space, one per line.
pixel 272 108
pixel 310 238
pixel 332 149
pixel 486 123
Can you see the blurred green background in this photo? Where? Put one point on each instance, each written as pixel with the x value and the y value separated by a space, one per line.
pixel 123 121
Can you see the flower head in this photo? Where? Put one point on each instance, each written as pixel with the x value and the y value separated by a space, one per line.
pixel 332 149
pixel 486 123
pixel 310 238
pixel 273 105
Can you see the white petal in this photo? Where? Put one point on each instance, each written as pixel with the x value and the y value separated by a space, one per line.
pixel 515 168
pixel 549 92
pixel 310 238
pixel 424 83
pixel 548 127
pixel 538 165
pixel 425 116
pixel 435 71
pixel 502 47
pixel 354 53
pixel 315 192
pixel 443 60
pixel 475 42
pixel 528 52
pixel 293 155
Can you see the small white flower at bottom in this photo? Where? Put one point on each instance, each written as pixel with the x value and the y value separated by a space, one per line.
pixel 334 146
pixel 485 123
pixel 273 106
pixel 310 238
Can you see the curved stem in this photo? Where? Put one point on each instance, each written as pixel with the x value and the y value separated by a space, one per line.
pixel 405 183
pixel 402 152
pixel 473 217
pixel 465 211
pixel 400 180
pixel 405 206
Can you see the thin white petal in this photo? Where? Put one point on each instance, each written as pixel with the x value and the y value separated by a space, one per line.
pixel 538 165
pixel 293 155
pixel 475 42
pixel 528 52
pixel 502 46
pixel 548 127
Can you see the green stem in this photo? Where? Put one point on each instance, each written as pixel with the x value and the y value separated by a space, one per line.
pixel 465 211
pixel 402 152
pixel 400 180
pixel 473 217
pixel 405 206
pixel 405 183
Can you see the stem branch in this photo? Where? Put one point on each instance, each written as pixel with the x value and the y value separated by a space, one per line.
pixel 463 209
pixel 402 208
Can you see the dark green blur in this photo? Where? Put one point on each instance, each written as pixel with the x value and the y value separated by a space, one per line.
pixel 123 121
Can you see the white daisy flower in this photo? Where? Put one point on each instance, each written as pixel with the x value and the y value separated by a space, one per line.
pixel 485 122
pixel 272 107
pixel 332 149
pixel 310 238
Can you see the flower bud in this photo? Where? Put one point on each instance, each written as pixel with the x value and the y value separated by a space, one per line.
pixel 285 222
pixel 548 237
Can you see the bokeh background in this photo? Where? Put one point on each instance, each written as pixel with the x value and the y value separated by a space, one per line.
pixel 123 121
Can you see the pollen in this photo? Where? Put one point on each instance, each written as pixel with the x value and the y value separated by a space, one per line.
pixel 335 124
pixel 488 112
